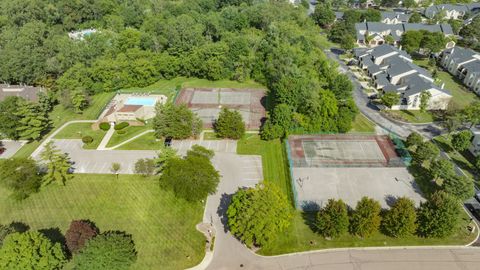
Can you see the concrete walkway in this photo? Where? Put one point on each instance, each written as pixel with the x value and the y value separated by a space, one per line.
pixel 106 138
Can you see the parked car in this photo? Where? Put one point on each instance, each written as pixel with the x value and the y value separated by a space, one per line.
pixel 474 209
pixel 168 141
pixel 2 149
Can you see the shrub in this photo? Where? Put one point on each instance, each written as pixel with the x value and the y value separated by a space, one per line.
pixel 400 220
pixel 121 132
pixel 121 125
pixel 230 124
pixel 332 220
pixel 439 216
pixel 366 217
pixel 78 234
pixel 104 126
pixel 87 139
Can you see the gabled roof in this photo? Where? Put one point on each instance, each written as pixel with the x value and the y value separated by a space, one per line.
pixel 383 50
pixel 473 67
pixel 399 15
pixel 460 54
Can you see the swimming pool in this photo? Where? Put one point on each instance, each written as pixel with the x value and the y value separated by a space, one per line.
pixel 141 101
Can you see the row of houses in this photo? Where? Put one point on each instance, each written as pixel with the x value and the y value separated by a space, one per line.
pixel 387 17
pixel 464 64
pixel 451 11
pixel 377 33
pixel 392 70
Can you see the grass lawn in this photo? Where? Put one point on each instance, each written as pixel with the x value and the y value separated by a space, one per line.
pixel 130 132
pixel 78 130
pixel 301 237
pixel 464 159
pixel 411 116
pixel 144 142
pixel 162 226
pixel 461 95
pixel 274 160
pixel 210 135
pixel 60 115
pixel 362 124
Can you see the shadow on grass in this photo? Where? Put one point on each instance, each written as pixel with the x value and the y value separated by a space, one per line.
pixel 55 235
pixel 445 146
pixel 422 178
pixel 310 218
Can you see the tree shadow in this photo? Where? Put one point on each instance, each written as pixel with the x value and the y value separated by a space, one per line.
pixel 423 179
pixel 19 227
pixel 390 200
pixel 310 219
pixel 445 146
pixel 55 235
pixel 222 210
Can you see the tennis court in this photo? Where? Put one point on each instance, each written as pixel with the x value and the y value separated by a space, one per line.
pixel 347 167
pixel 208 102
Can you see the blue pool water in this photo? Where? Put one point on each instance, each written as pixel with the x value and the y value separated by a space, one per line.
pixel 140 101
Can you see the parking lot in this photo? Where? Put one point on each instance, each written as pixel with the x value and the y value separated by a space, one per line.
pixel 11 147
pixel 225 146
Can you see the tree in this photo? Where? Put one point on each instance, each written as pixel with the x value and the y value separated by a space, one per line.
pixel 110 250
pixel 271 131
pixel 200 151
pixel 439 216
pixel 471 113
pixel 79 100
pixel 424 99
pixel 177 122
pixel 6 230
pixel 191 178
pixel 332 220
pixel 33 121
pixel 365 220
pixel 58 164
pixel 323 15
pixel 461 187
pixel 461 140
pixel 390 99
pixel 115 168
pixel 371 15
pixel 411 40
pixel 21 176
pixel 408 4
pixel 9 120
pixel 79 232
pixel 400 220
pixel 347 42
pixel 165 154
pixel 414 139
pixel 257 215
pixel 426 151
pixel 229 124
pixel 145 167
pixel 415 18
pixel 31 250
pixel 441 169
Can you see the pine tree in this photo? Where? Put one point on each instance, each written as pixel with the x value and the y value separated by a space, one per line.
pixel 58 164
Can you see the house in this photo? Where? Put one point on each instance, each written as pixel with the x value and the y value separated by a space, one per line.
pixel 475 145
pixel 131 108
pixel 464 64
pixel 26 92
pixel 395 17
pixel 392 70
pixel 378 33
pixel 451 11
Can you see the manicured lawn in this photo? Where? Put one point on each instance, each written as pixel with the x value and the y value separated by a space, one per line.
pixel 144 142
pixel 362 124
pixel 461 95
pixel 130 132
pixel 162 226
pixel 210 136
pixel 60 115
pixel 274 160
pixel 78 130
pixel 411 116
pixel 301 237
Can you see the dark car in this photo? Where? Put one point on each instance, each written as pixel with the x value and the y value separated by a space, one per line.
pixel 168 141
pixel 477 196
pixel 2 149
pixel 474 209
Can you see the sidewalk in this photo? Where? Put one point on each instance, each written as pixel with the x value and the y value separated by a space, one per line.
pixel 106 139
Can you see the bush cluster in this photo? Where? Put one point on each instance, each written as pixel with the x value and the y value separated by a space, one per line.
pixel 104 126
pixel 87 139
pixel 121 125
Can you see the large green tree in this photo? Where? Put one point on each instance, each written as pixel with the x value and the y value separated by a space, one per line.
pixel 462 140
pixel 9 120
pixel 110 250
pixel 33 121
pixel 439 216
pixel 21 176
pixel 31 250
pixel 58 164
pixel 323 15
pixel 176 121
pixel 257 215
pixel 400 220
pixel 461 187
pixel 426 151
pixel 365 219
pixel 229 124
pixel 193 177
pixel 332 220
pixel 390 99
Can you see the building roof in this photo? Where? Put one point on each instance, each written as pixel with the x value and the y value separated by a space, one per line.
pixel 398 15
pixel 130 108
pixel 460 54
pixel 473 67
pixel 431 11
pixel 338 15
pixel 29 93
pixel 383 50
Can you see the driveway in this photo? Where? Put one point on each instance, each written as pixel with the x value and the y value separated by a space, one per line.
pixel 11 147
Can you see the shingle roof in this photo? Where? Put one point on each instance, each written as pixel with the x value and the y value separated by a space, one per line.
pixel 29 93
pixel 460 54
pixel 130 108
pixel 383 50
pixel 392 15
